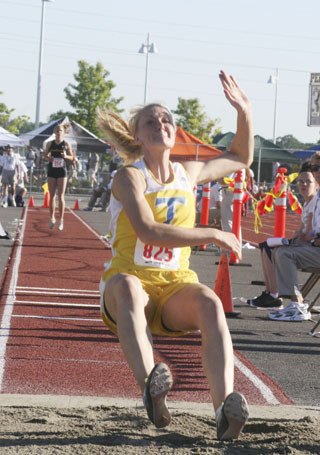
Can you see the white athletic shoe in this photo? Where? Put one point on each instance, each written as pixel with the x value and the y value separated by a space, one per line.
pixel 60 227
pixel 5 202
pixel 294 312
pixel 290 306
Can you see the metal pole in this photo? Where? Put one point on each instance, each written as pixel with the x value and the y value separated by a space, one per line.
pixel 146 76
pixel 275 106
pixel 259 166
pixel 40 65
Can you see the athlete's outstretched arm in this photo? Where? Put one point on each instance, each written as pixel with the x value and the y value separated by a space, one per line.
pixel 240 154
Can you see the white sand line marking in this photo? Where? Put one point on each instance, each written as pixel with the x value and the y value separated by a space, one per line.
pixel 265 391
pixel 73 294
pixel 62 304
pixel 59 289
pixel 57 318
pixel 8 308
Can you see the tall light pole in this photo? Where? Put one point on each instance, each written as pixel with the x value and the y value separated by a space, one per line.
pixel 40 62
pixel 148 48
pixel 274 80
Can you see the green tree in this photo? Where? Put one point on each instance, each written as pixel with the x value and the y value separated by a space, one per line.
pixel 20 124
pixel 192 118
pixel 290 142
pixel 16 125
pixel 61 114
pixel 92 90
pixel 5 114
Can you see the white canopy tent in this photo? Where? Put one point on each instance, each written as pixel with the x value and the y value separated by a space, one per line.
pixel 79 137
pixel 7 138
pixel 44 134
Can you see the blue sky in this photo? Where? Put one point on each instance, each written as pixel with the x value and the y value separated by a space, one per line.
pixel 195 39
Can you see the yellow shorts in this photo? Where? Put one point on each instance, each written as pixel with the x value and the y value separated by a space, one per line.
pixel 159 286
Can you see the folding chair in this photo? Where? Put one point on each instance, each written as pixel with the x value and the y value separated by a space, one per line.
pixel 308 286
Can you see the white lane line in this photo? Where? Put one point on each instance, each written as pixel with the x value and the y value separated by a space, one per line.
pixel 75 305
pixel 77 291
pixel 56 318
pixel 265 391
pixel 8 308
pixel 89 227
pixel 72 294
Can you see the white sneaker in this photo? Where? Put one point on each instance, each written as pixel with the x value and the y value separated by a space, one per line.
pixel 291 305
pixel 293 312
pixel 60 227
pixel 5 202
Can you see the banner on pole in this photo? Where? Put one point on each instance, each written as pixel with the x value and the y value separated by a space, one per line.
pixel 314 100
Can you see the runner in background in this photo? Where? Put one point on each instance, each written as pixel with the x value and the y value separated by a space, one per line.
pixel 147 287
pixel 58 152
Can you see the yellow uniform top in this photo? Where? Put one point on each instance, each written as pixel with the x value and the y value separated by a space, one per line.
pixel 171 203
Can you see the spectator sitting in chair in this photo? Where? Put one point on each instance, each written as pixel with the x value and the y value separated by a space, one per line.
pixel 103 192
pixel 280 264
pixel 93 167
pixel 21 190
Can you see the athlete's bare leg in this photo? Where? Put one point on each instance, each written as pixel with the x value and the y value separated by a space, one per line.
pixel 196 307
pixel 126 302
pixel 52 185
pixel 61 185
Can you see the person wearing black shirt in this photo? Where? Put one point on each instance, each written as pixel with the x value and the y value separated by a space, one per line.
pixel 58 152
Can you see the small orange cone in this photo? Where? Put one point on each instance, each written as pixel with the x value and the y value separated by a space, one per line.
pixel 76 205
pixel 46 200
pixel 31 202
pixel 222 287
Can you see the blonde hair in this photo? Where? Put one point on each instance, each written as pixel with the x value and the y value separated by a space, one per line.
pixel 315 158
pixel 64 126
pixel 122 133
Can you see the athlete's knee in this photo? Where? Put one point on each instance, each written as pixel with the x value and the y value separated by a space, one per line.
pixel 208 307
pixel 125 287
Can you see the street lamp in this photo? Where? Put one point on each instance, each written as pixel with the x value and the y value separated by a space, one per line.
pixel 40 62
pixel 274 80
pixel 148 48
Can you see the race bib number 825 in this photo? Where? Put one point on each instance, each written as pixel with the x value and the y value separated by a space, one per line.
pixel 156 256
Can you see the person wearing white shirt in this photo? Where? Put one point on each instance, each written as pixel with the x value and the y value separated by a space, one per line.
pixel 10 173
pixel 21 190
pixel 303 251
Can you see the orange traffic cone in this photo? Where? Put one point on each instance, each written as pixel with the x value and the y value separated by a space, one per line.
pixel 222 287
pixel 31 202
pixel 46 200
pixel 76 205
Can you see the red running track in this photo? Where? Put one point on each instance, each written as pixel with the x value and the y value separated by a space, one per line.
pixel 52 338
pixel 293 221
